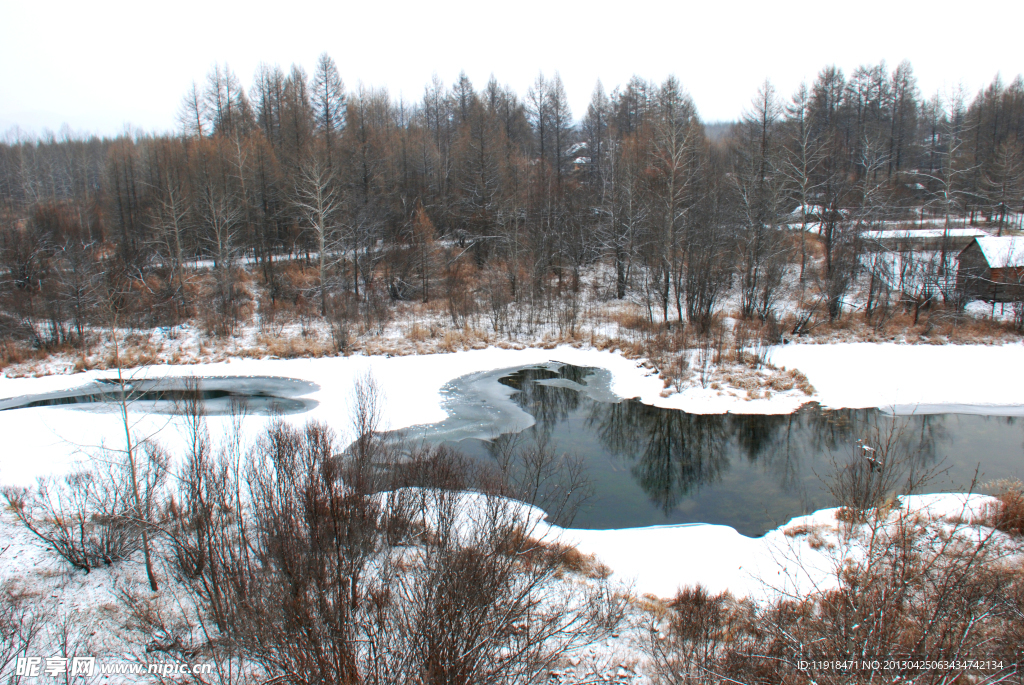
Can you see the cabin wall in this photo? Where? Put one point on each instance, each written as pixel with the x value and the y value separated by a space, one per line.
pixel 979 282
pixel 972 276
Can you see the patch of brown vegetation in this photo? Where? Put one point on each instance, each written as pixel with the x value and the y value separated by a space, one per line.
pixel 815 535
pixel 1007 513
pixel 567 557
pixel 939 326
pixel 288 348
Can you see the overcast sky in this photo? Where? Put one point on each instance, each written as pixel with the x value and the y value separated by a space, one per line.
pixel 98 66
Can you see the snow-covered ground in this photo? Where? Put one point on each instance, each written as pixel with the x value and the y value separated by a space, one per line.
pixel 976 378
pixel 659 560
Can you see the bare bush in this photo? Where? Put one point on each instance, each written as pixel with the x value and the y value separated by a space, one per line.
pixel 89 518
pixel 479 603
pixel 881 466
pixel 1007 513
pixel 20 624
pixel 884 583
pixel 698 633
pixel 534 471
pixel 361 565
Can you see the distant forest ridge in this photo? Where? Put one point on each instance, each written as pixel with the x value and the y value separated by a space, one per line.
pixel 396 199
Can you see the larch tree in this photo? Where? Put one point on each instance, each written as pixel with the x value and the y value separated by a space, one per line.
pixel 193 113
pixel 328 98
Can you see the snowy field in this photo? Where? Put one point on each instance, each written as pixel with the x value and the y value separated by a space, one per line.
pixel 971 378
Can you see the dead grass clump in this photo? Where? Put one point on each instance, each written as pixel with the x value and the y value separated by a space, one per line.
pixel 242 276
pixel 465 338
pixel 815 535
pixel 800 381
pixel 416 332
pixel 567 558
pixel 936 325
pixel 978 331
pixel 12 353
pixel 817 541
pixel 452 341
pixel 134 351
pixel 795 531
pixel 634 321
pixel 851 515
pixel 1007 513
pixel 288 348
pixel 296 276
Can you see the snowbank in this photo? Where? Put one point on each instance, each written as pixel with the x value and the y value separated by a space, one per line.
pixel 659 560
pixel 978 379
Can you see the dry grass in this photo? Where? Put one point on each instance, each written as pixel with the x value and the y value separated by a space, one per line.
pixel 1007 513
pixel 568 559
pixel 14 353
pixel 418 333
pixel 936 326
pixel 759 384
pixel 634 320
pixel 288 348
pixel 815 535
pixel 424 329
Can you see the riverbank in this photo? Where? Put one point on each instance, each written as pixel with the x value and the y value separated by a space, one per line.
pixel 987 379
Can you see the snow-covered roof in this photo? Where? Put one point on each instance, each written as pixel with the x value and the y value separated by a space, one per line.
pixel 924 233
pixel 810 209
pixel 1000 252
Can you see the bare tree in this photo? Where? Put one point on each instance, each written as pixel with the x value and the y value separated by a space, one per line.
pixel 759 183
pixel 951 185
pixel 800 165
pixel 318 200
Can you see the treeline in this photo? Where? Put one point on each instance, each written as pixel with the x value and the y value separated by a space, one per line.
pixel 490 196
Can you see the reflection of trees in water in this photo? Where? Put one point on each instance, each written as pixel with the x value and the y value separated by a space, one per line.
pixel 777 443
pixel 755 433
pixel 675 453
pixel 547 404
pixel 923 440
pixel 831 430
pixel 836 432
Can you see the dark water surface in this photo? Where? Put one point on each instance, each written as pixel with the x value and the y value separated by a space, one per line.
pixel 260 394
pixel 752 472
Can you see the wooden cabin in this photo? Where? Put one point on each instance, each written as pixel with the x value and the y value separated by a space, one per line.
pixel 992 269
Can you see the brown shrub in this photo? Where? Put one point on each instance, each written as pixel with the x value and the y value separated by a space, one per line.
pixel 566 558
pixel 634 321
pixel 416 332
pixel 1007 514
